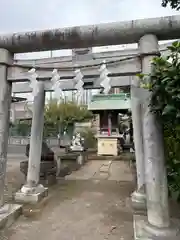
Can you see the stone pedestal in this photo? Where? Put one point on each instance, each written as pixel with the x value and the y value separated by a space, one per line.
pixel 142 231
pixel 31 195
pixel 138 199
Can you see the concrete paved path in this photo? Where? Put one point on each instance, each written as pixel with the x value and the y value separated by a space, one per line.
pixel 107 170
pixel 92 203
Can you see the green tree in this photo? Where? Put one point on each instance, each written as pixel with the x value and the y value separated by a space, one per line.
pixel 175 4
pixel 65 114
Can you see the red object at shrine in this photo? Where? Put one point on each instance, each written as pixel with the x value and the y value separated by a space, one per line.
pixel 109 132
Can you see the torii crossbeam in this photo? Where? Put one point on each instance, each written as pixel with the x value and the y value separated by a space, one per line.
pixel 164 28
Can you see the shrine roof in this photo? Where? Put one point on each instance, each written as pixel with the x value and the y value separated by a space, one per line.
pixel 119 101
pixel 17 99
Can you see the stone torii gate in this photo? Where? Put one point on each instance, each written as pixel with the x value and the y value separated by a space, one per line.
pixel 149 146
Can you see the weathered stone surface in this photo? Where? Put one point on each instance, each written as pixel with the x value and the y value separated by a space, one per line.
pixel 46 155
pixel 154 158
pixel 91 35
pixel 31 198
pixel 5 101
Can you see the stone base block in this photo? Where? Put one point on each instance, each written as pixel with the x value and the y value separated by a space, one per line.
pixel 138 199
pixel 49 181
pixel 8 214
pixel 141 230
pixel 139 222
pixel 31 198
pixel 80 160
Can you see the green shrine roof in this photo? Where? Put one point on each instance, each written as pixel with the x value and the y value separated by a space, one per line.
pixel 119 101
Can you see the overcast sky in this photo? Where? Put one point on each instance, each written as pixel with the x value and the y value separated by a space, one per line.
pixel 24 15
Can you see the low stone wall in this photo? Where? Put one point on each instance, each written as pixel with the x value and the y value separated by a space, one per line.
pixel 17 145
pixel 25 141
pixel 52 142
pixel 18 140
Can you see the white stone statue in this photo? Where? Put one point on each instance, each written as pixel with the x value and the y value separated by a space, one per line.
pixel 76 143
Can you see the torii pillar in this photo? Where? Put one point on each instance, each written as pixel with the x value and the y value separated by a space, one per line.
pixel 32 191
pixel 8 212
pixel 138 197
pixel 157 225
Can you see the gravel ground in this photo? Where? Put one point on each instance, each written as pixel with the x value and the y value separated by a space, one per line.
pixel 88 209
pixel 80 207
pixel 92 203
